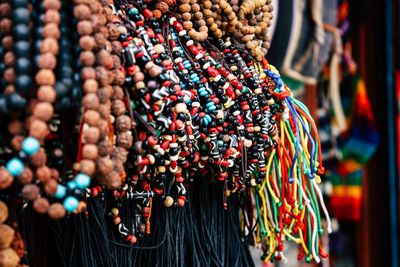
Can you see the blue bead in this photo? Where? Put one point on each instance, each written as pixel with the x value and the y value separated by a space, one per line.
pixel 196 79
pixel 208 118
pixel 30 145
pixel 15 166
pixel 205 121
pixel 204 93
pixel 82 181
pixel 71 203
pixel 212 108
pixel 71 185
pixel 61 191
pixel 195 115
pixel 209 104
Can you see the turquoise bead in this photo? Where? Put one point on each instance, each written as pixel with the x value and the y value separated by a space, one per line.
pixel 71 203
pixel 133 11
pixel 71 185
pixel 15 166
pixel 220 143
pixel 30 145
pixel 61 191
pixel 82 181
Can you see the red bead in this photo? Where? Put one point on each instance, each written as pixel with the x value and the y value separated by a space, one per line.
pixel 178 26
pixel 179 124
pixel 166 83
pixel 160 38
pixel 239 86
pixel 181 65
pixel 181 202
pixel 140 23
pixel 166 63
pixel 234 82
pixel 139 54
pixel 194 111
pixel 194 50
pixel 147 97
pixel 131 70
pixel 173 164
pixel 145 161
pixel 158 191
pixel 229 91
pixel 189 130
pixel 95 192
pixel 152 140
pixel 212 72
pixel 225 163
pixel 150 32
pixel 202 114
pixel 142 136
pixel 126 43
pixel 165 144
pixel 147 13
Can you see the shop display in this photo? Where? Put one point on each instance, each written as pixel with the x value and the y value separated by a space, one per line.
pixel 118 114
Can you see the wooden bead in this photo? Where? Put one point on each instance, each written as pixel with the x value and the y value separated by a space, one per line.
pixel 43 111
pixel 184 8
pixel 41 205
pixel 43 174
pixel 91 135
pixel 3 212
pixel 30 191
pixel 87 167
pixel 56 211
pixel 168 202
pixel 38 129
pixel 91 101
pixel 84 27
pixel 104 165
pixel 6 235
pixel 26 176
pixel 89 151
pixel 38 159
pixel 6 179
pixel 9 258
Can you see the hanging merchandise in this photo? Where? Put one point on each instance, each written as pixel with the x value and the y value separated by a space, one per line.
pixel 302 40
pixel 152 133
pixel 349 134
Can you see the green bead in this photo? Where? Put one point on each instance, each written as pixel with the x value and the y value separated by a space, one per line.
pixel 133 11
pixel 218 66
pixel 203 147
pixel 144 117
pixel 220 143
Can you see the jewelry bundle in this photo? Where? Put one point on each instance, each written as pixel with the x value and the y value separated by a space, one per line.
pixel 166 104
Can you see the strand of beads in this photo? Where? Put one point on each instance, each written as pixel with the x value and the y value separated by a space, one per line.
pixel 191 9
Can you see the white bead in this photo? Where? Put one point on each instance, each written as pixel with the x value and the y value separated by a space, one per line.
pixel 182 33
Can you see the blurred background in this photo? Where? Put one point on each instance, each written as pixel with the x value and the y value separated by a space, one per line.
pixel 342 58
